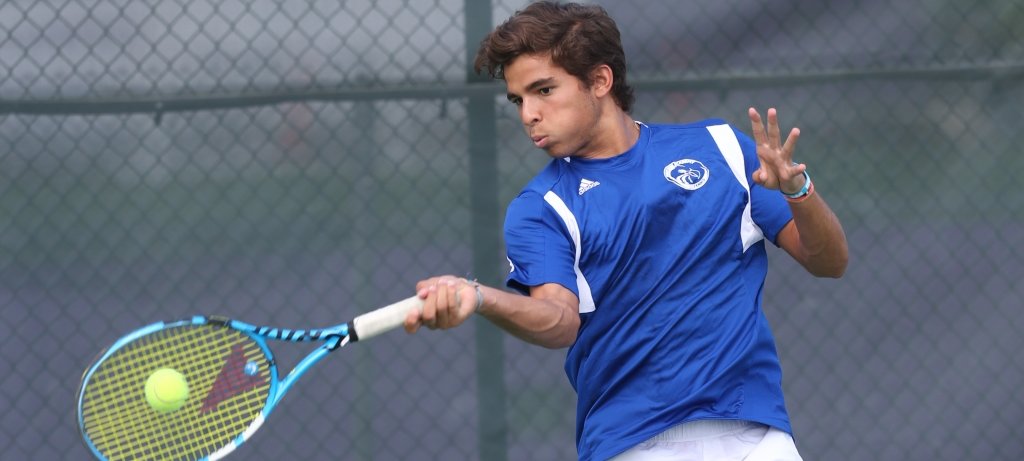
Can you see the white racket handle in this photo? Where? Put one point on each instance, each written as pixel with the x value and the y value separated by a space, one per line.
pixel 384 319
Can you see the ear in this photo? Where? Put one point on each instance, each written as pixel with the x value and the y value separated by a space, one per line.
pixel 602 79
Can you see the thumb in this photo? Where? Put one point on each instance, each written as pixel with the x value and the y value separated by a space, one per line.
pixel 413 318
pixel 412 321
pixel 760 176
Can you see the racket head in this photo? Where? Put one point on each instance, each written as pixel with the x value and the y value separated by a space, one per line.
pixel 232 380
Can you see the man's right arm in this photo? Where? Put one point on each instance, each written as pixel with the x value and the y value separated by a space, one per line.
pixel 548 317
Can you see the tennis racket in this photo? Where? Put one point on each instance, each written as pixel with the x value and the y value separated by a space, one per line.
pixel 232 381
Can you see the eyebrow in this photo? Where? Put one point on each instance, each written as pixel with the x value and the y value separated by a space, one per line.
pixel 539 83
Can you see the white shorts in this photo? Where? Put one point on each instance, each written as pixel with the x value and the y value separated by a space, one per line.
pixel 715 440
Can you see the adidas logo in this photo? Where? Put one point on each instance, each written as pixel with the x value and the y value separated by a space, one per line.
pixel 587 184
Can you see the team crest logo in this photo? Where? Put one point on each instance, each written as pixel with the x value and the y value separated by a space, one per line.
pixel 687 173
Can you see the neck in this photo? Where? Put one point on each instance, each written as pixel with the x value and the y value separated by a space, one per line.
pixel 612 135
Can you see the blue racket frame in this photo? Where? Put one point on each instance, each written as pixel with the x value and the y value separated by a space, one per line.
pixel 332 338
pixel 365 326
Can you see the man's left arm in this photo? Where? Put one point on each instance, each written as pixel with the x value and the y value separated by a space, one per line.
pixel 814 237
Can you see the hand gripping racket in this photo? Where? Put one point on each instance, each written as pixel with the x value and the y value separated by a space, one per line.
pixel 232 381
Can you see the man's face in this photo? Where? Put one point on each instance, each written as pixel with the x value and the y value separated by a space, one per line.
pixel 558 113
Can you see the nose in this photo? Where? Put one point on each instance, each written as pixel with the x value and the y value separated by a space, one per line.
pixel 529 113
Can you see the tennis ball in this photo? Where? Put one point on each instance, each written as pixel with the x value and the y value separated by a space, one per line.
pixel 166 390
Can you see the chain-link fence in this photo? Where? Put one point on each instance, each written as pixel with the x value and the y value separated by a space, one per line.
pixel 295 163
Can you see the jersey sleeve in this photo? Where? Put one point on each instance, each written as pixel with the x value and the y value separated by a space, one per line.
pixel 768 208
pixel 538 246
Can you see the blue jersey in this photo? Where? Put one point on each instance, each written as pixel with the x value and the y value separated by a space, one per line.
pixel 664 246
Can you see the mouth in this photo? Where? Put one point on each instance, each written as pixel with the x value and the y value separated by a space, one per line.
pixel 539 141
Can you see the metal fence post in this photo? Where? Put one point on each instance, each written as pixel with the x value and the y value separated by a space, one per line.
pixel 483 170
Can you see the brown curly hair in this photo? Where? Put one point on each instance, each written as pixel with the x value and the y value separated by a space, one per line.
pixel 579 38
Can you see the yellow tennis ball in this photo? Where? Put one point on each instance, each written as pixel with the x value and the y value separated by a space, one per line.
pixel 166 390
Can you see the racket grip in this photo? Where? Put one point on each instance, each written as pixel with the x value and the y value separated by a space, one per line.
pixel 384 319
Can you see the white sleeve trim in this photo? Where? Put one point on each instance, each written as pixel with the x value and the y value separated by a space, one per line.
pixel 586 298
pixel 750 233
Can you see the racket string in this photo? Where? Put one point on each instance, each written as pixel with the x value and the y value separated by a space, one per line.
pixel 120 423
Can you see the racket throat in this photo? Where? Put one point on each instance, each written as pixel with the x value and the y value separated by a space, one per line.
pixel 336 341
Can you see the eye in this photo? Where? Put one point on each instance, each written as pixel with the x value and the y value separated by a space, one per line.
pixel 545 91
pixel 516 101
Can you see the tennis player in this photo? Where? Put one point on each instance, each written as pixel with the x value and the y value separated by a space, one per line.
pixel 641 248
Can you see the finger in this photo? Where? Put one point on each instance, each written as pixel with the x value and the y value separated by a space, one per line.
pixel 759 176
pixel 423 284
pixel 443 289
pixel 429 316
pixel 796 169
pixel 766 171
pixel 773 129
pixel 757 126
pixel 790 146
pixel 452 311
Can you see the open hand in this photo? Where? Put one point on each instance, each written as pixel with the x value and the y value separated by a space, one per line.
pixel 777 169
